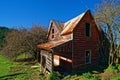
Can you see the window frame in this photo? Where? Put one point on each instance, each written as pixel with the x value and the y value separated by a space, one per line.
pixel 89 57
pixel 53 36
pixel 53 31
pixel 89 29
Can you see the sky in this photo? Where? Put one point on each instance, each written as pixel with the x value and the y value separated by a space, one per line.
pixel 25 13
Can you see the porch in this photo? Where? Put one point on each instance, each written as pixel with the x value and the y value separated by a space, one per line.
pixel 51 61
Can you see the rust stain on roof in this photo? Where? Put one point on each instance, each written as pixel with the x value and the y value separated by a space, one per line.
pixel 51 44
pixel 66 28
pixel 70 25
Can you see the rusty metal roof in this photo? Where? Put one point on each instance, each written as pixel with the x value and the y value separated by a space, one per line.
pixel 66 28
pixel 59 24
pixel 51 44
pixel 70 25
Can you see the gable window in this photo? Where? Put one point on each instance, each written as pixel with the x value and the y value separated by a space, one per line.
pixel 52 31
pixel 87 56
pixel 52 36
pixel 87 29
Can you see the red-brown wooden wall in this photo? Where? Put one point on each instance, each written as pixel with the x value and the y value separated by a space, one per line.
pixel 82 43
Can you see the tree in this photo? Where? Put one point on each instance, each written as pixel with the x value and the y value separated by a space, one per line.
pixel 14 43
pixel 3 33
pixel 107 15
pixel 23 41
pixel 35 36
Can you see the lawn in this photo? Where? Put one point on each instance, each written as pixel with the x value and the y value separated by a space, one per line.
pixel 5 66
pixel 21 70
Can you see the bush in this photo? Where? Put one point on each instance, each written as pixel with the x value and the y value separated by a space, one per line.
pixel 53 76
pixel 111 68
pixel 87 75
pixel 111 72
pixel 114 68
pixel 118 66
pixel 68 77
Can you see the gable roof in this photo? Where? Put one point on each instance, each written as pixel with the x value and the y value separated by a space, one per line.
pixel 58 24
pixel 65 28
pixel 70 25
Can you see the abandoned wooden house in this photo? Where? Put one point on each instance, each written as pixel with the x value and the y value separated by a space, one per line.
pixel 71 45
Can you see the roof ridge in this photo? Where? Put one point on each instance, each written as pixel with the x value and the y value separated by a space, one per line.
pixel 57 21
pixel 72 22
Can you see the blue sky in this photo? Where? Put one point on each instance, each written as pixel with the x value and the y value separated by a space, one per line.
pixel 17 13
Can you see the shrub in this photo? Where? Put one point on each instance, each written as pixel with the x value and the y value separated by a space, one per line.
pixel 87 75
pixel 94 78
pixel 111 72
pixel 67 77
pixel 53 76
pixel 118 66
pixel 111 68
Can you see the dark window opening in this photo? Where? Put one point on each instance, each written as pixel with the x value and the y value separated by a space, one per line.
pixel 52 31
pixel 52 36
pixel 88 57
pixel 87 29
pixel 43 61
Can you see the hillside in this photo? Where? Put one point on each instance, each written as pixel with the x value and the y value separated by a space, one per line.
pixel 3 32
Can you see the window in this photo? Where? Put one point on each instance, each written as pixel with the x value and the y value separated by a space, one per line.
pixel 52 31
pixel 87 29
pixel 88 57
pixel 52 36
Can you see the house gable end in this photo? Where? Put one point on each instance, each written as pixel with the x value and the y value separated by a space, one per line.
pixel 81 42
pixel 71 24
pixel 54 31
pixel 91 21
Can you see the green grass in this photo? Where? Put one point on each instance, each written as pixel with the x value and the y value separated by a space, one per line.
pixel 22 56
pixel 18 70
pixel 5 66
pixel 10 70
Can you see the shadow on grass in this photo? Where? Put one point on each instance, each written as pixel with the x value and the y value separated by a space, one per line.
pixel 10 75
pixel 31 60
pixel 25 60
pixel 95 69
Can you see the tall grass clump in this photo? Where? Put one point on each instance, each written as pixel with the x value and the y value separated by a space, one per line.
pixel 53 76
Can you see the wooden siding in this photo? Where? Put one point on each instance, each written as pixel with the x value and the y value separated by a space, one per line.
pixel 64 50
pixel 56 33
pixel 49 59
pixel 82 43
pixel 65 55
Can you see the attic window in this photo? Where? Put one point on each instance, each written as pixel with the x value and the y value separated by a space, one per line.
pixel 87 29
pixel 52 36
pixel 52 31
